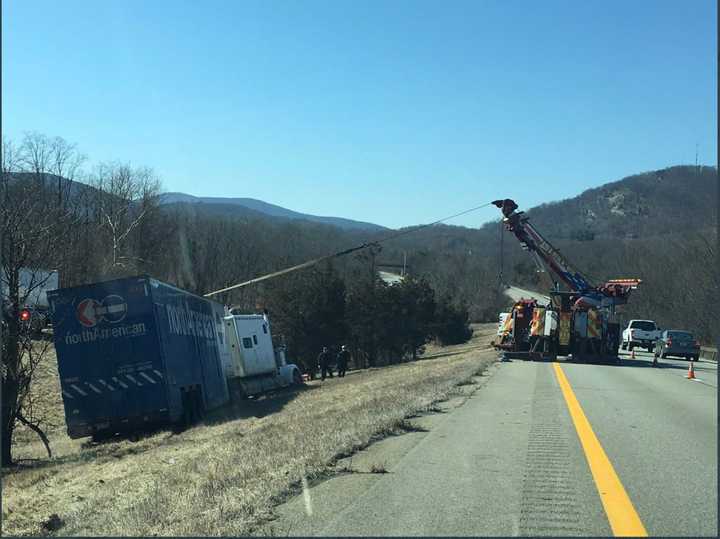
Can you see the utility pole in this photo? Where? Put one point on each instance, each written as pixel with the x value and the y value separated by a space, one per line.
pixel 2 313
pixel 500 276
pixel 373 318
pixel 3 372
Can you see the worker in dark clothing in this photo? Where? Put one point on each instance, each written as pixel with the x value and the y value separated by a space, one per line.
pixel 342 361
pixel 324 362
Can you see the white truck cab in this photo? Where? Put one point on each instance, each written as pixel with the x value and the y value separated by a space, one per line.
pixel 254 364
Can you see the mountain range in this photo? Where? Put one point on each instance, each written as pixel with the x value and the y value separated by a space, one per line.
pixel 653 203
pixel 647 204
pixel 250 207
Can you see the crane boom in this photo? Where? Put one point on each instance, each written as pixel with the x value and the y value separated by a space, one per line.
pixel 611 292
pixel 531 240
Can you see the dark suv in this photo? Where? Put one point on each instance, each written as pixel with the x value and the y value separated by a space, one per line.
pixel 673 342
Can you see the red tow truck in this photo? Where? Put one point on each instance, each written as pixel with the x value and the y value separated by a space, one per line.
pixel 578 322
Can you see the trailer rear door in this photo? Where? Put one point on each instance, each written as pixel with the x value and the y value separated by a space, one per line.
pixel 109 358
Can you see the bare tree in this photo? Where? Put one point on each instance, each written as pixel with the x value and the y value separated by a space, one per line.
pixel 33 234
pixel 124 198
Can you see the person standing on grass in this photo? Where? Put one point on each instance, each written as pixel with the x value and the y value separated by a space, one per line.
pixel 342 361
pixel 324 362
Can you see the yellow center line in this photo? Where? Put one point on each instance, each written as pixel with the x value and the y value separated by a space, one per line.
pixel 623 518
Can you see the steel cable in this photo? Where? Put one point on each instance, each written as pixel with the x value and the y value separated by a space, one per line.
pixel 342 253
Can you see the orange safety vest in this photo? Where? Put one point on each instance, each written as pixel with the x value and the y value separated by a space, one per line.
pixel 594 329
pixel 537 326
pixel 565 328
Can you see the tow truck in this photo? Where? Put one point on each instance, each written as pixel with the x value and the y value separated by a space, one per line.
pixel 579 323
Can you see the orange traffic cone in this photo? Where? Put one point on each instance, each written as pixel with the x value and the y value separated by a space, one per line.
pixel 691 372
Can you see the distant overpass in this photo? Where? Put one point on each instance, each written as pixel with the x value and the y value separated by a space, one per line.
pixel 515 293
pixel 390 278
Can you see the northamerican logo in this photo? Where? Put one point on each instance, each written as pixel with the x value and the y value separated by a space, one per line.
pixel 91 312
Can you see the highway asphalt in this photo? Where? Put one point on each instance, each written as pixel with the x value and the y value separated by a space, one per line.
pixel 511 462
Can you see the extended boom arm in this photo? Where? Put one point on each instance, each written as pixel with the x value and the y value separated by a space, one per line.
pixel 531 240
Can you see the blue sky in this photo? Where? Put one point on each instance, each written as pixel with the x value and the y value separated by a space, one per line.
pixel 395 112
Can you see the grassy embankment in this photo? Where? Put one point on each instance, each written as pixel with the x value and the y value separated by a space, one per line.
pixel 225 476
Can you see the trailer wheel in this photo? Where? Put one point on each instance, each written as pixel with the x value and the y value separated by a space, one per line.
pixel 99 436
pixel 198 407
pixel 237 391
pixel 187 407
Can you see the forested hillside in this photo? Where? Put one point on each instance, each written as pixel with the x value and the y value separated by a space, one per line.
pixel 658 226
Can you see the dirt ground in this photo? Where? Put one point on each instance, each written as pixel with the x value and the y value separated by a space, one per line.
pixel 225 476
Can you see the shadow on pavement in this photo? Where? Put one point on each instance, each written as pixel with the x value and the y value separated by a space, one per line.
pixel 628 362
pixel 616 362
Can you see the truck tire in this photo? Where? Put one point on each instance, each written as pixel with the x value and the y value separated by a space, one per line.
pixel 100 436
pixel 237 391
pixel 186 420
pixel 198 406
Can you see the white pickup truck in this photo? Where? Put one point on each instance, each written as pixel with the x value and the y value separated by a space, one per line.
pixel 640 333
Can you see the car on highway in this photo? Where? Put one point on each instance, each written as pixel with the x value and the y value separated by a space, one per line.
pixel 674 342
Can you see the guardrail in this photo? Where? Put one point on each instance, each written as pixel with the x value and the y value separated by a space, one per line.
pixel 708 353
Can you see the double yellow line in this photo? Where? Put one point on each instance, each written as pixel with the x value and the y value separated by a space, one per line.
pixel 620 511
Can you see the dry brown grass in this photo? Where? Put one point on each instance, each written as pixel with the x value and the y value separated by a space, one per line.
pixel 225 477
pixel 45 393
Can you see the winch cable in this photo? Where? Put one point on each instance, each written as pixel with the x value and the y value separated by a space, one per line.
pixel 343 253
pixel 500 275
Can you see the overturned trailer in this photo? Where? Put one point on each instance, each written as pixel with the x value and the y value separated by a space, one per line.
pixel 136 352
